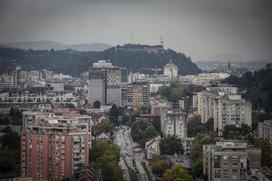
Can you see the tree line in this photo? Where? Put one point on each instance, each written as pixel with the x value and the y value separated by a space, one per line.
pixel 75 62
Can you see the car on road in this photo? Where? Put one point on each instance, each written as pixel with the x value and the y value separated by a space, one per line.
pixel 137 150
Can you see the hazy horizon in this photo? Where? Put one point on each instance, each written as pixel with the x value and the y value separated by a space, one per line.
pixel 199 29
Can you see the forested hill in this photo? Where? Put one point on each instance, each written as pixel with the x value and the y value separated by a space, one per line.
pixel 258 86
pixel 135 58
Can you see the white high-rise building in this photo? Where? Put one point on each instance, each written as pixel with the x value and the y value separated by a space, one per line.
pixel 104 83
pixel 170 70
pixel 205 105
pixel 173 123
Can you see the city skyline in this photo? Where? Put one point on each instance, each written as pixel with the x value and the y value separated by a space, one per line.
pixel 146 90
pixel 198 29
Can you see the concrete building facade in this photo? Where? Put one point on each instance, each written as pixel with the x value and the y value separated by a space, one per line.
pixel 205 105
pixel 173 123
pixel 170 70
pixel 265 130
pixel 158 106
pixel 138 94
pixel 53 147
pixel 231 110
pixel 152 147
pixel 187 143
pixel 225 106
pixel 230 160
pixel 104 83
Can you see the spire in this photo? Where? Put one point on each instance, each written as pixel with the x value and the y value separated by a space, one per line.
pixel 132 38
pixel 229 66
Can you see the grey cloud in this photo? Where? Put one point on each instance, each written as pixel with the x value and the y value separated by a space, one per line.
pixel 197 27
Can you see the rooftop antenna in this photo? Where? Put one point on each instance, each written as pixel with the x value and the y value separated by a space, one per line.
pixel 162 41
pixel 132 38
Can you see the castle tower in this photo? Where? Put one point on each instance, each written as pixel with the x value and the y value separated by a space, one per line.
pixel 162 41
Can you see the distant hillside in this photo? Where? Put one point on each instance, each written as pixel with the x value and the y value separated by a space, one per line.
pixel 224 57
pixel 258 86
pixel 75 62
pixel 239 66
pixel 47 45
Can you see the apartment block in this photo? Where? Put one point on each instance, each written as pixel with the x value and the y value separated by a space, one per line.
pixel 189 102
pixel 231 110
pixel 138 94
pixel 205 105
pixel 225 106
pixel 187 143
pixel 230 160
pixel 204 99
pixel 173 123
pixel 158 106
pixel 54 147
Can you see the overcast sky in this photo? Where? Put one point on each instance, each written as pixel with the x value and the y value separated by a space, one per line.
pixel 199 28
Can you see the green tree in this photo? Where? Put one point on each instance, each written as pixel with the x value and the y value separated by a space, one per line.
pixel 74 62
pixel 125 119
pixel 97 104
pixel 171 145
pixel 196 152
pixel 129 118
pixel 106 155
pixel 195 125
pixel 259 117
pixel 8 161
pixel 4 121
pixel 15 116
pixel 10 153
pixel 159 164
pixel 114 113
pixel 258 86
pixel 10 141
pixel 266 151
pixel 197 170
pixel 177 173
pixel 105 126
pixel 209 124
pixel 233 132
pixel 149 132
pixel 142 132
pixel 173 92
